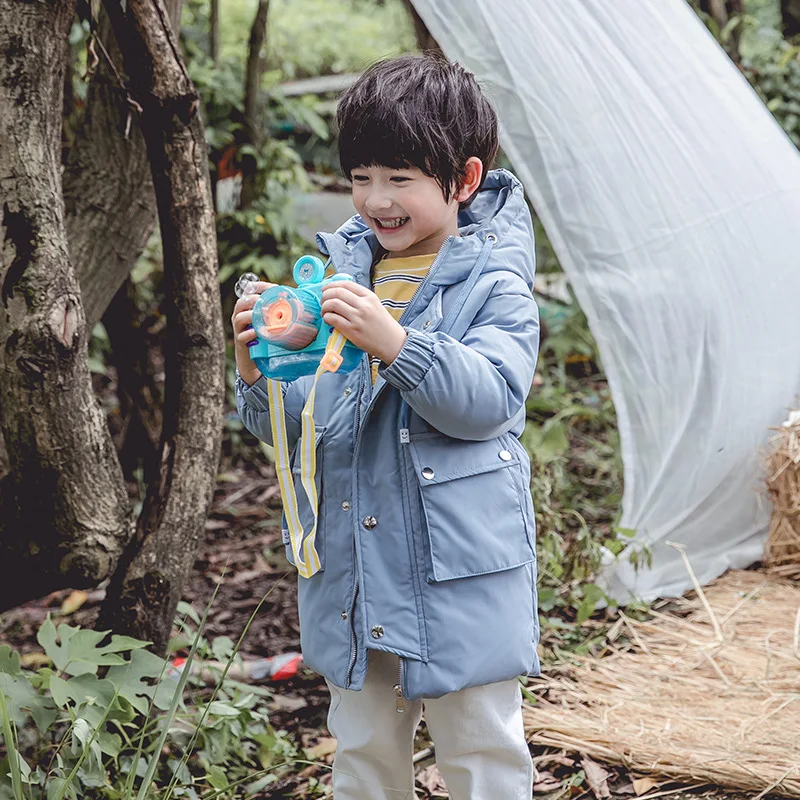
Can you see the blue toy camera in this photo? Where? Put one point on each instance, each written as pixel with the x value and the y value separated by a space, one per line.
pixel 292 337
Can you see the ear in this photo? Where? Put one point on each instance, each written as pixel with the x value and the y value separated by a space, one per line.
pixel 473 172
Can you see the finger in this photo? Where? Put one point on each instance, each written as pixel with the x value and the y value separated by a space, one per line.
pixel 242 320
pixel 245 336
pixel 341 307
pixel 342 324
pixel 344 289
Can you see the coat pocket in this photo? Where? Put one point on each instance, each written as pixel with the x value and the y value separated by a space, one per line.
pixel 470 499
pixel 304 509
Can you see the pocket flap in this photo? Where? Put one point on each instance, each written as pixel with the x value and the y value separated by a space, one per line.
pixel 470 496
pixel 436 460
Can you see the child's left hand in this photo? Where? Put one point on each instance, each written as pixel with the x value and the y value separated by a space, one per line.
pixel 357 313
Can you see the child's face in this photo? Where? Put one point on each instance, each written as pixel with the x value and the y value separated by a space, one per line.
pixel 405 208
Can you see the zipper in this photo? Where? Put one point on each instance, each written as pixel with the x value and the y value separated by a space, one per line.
pixel 398 689
pixel 399 700
pixel 353 636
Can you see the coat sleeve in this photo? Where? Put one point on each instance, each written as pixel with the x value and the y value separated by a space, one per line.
pixel 474 388
pixel 252 403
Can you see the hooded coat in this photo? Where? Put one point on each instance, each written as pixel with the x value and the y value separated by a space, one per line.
pixel 426 530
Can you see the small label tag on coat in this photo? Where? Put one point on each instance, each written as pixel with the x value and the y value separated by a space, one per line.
pixel 285 536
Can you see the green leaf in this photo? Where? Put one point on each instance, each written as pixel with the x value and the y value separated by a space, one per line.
pixel 216 777
pixel 9 660
pixel 78 651
pixel 23 700
pixel 133 680
pixel 220 709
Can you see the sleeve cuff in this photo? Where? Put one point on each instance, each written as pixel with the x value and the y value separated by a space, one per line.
pixel 407 371
pixel 255 396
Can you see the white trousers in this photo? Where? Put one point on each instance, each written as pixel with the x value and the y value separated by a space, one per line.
pixel 478 736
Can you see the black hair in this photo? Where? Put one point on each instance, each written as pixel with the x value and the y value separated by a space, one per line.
pixel 419 111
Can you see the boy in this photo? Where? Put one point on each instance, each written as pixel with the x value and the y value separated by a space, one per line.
pixel 427 589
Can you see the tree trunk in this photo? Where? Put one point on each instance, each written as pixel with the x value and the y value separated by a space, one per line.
pixel 214 31
pixel 253 106
pixel 144 592
pixel 425 40
pixel 790 13
pixel 721 12
pixel 64 511
pixel 108 191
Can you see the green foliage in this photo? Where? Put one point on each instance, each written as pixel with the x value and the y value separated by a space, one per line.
pixel 308 37
pixel 107 714
pixel 576 480
pixel 769 62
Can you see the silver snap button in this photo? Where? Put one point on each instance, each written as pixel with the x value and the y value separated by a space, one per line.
pixel 377 631
pixel 505 455
pixel 347 391
pixel 428 474
pixel 426 324
pixel 345 505
pixel 369 523
pixel 344 615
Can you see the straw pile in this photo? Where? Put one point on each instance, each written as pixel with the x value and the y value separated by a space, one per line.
pixel 707 695
pixel 782 555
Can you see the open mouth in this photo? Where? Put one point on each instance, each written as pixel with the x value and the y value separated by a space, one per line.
pixel 392 223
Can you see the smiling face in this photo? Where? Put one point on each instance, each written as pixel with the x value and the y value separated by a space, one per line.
pixel 405 208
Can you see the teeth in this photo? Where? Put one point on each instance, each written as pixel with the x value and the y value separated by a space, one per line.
pixel 392 223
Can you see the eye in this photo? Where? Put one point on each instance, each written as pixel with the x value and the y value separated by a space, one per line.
pixel 400 179
pixel 359 178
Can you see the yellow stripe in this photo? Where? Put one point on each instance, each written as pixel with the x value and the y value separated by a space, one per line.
pixel 304 552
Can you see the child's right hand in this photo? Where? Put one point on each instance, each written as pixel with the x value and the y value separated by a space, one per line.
pixel 242 322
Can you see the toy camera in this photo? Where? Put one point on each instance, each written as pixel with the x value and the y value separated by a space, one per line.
pixel 292 338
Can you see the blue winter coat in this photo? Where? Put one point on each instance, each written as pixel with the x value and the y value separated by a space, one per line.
pixel 426 524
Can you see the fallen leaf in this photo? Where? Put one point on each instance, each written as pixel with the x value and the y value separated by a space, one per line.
pixel 596 777
pixel 430 779
pixel 643 785
pixel 72 603
pixel 546 782
pixel 34 660
pixel 324 747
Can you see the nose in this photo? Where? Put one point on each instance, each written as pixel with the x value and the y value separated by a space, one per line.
pixel 377 201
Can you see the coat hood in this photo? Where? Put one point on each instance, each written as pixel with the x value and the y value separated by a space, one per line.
pixel 499 209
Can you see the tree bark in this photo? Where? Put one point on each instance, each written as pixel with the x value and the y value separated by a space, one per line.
pixel 253 74
pixel 144 592
pixel 214 31
pixel 425 40
pixel 108 191
pixel 64 511
pixel 790 14
pixel 253 103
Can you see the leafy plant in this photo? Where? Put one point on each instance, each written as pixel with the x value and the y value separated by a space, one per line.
pixel 107 713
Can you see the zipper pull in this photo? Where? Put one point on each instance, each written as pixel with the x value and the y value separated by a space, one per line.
pixel 404 437
pixel 400 701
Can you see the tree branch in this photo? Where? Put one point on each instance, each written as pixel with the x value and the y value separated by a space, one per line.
pixel 108 191
pixel 145 591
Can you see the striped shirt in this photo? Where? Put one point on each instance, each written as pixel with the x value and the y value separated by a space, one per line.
pixel 395 281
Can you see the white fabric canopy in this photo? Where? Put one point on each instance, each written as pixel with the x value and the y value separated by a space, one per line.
pixel 672 199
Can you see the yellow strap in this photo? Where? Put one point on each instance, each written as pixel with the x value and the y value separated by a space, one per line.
pixel 305 555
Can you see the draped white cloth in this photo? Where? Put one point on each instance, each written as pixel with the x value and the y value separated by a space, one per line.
pixel 672 199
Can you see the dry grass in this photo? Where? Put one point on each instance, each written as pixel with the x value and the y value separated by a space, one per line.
pixel 783 484
pixel 708 694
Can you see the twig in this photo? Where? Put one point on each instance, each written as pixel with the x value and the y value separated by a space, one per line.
pixel 422 755
pixel 699 589
pixel 776 783
pixel 796 638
